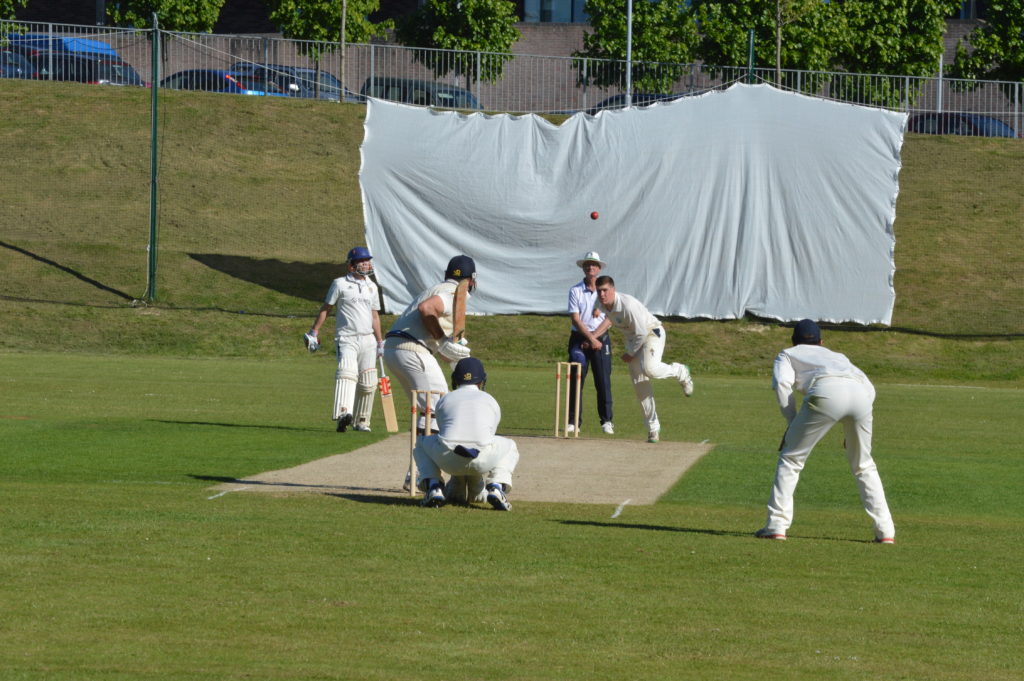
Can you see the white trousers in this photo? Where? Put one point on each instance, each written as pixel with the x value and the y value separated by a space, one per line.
pixel 415 370
pixel 830 400
pixel 647 365
pixel 495 463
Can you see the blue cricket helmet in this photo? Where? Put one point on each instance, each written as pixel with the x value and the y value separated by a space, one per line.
pixel 468 370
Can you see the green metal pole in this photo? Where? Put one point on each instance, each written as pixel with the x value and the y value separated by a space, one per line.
pixel 155 78
pixel 750 56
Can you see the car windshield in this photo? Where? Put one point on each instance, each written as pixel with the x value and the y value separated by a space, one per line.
pixel 991 127
pixel 456 100
pixel 118 73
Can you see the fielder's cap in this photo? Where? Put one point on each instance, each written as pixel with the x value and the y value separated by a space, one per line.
pixel 468 370
pixel 359 253
pixel 591 256
pixel 460 267
pixel 806 332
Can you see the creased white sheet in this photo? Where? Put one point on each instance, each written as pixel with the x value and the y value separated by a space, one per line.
pixel 745 200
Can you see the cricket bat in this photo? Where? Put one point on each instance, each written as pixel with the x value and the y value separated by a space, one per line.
pixel 387 401
pixel 459 310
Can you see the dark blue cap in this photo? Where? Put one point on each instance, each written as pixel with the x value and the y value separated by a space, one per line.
pixel 806 332
pixel 460 267
pixel 468 370
pixel 359 253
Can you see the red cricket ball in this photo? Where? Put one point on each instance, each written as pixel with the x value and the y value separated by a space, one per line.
pixel 594 215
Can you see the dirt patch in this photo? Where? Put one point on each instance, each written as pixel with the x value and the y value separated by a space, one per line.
pixel 583 471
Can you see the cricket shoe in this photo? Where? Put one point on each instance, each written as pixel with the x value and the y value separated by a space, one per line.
pixel 496 498
pixel 434 496
pixel 686 381
pixel 608 428
pixel 344 422
pixel 361 427
pixel 769 533
pixel 885 540
pixel 570 429
pixel 407 485
pixel 653 436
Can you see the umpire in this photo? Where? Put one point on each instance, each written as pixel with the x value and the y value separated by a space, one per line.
pixel 589 342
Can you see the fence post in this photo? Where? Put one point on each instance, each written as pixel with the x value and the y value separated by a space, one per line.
pixel 750 56
pixel 154 118
pixel 478 75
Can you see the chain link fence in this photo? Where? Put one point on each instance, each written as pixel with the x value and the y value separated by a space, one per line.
pixel 235 198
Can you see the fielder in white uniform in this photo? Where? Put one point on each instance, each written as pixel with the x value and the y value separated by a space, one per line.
pixel 425 328
pixel 834 390
pixel 645 343
pixel 466 446
pixel 357 339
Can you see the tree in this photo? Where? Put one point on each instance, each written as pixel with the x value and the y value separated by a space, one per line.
pixel 481 26
pixel 802 33
pixel 997 46
pixel 320 20
pixel 664 39
pixel 8 7
pixel 197 16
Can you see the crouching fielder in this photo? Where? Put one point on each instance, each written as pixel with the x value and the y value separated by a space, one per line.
pixel 357 339
pixel 834 390
pixel 466 448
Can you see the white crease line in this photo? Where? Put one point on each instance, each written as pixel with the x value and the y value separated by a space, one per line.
pixel 618 510
pixel 226 492
pixel 705 441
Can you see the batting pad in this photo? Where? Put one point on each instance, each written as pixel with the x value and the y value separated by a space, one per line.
pixel 585 471
pixel 750 199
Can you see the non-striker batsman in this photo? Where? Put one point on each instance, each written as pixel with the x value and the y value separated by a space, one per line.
pixel 357 339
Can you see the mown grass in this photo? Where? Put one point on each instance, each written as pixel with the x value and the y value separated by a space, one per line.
pixel 121 562
pixel 118 560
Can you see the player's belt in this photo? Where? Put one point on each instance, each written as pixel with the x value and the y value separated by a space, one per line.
pixel 406 336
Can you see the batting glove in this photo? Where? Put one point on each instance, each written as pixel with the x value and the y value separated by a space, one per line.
pixel 453 351
pixel 311 341
pixel 380 348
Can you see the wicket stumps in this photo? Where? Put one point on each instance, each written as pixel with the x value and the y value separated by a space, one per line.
pixel 561 424
pixel 428 413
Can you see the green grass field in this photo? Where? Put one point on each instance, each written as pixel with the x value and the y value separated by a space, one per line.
pixel 119 561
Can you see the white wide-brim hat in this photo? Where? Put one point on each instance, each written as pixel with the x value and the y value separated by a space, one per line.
pixel 591 256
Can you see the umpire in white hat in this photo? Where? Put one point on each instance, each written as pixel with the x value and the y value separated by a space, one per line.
pixel 589 341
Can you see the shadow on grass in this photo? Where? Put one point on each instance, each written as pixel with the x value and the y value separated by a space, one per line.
pixel 237 425
pixel 366 495
pixel 298 279
pixel 64 268
pixel 697 530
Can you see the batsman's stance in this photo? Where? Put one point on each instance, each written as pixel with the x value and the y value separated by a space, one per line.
pixel 357 339
pixel 425 327
pixel 479 462
pixel 834 390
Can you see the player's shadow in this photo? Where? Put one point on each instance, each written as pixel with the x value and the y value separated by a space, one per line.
pixel 365 495
pixel 656 528
pixel 236 425
pixel 299 279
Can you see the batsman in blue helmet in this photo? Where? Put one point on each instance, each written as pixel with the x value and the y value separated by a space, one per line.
pixel 479 462
pixel 357 340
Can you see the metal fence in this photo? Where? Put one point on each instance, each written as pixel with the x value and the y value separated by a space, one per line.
pixel 73 186
pixel 522 84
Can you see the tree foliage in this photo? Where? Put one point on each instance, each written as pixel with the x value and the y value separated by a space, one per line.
pixel 896 37
pixel 198 16
pixel 664 37
pixel 8 7
pixel 996 46
pixel 319 21
pixel 471 26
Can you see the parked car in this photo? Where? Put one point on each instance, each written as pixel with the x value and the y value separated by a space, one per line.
pixel 974 125
pixel 33 43
pixel 419 92
pixel 84 68
pixel 13 65
pixel 299 81
pixel 220 80
pixel 638 99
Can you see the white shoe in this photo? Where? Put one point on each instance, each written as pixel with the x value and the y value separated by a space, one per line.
pixel 686 381
pixel 608 428
pixel 569 429
pixel 407 485
pixel 361 427
pixel 653 436
pixel 496 498
pixel 769 533
pixel 434 496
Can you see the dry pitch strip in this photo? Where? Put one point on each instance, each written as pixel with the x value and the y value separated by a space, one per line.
pixel 576 470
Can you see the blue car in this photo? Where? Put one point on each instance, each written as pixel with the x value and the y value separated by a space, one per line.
pixel 13 65
pixel 970 124
pixel 220 80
